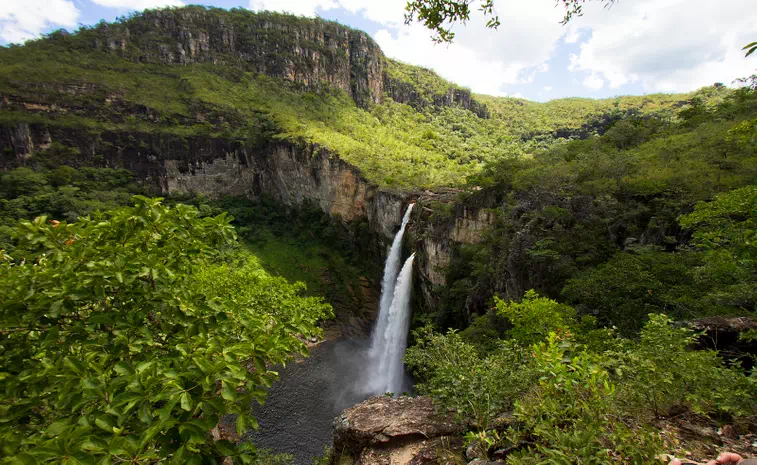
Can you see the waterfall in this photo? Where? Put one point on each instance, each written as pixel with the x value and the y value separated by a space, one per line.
pixel 385 369
pixel 391 268
pixel 390 374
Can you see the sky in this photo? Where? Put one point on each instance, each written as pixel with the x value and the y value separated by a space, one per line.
pixel 635 47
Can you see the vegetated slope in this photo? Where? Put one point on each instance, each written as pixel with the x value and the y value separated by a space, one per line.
pixel 596 222
pixel 259 76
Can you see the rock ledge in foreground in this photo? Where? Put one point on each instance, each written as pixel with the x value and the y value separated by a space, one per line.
pixel 384 431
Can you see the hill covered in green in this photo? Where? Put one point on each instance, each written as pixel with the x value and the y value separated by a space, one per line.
pixel 419 131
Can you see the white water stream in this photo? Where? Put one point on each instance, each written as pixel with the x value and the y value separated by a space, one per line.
pixel 390 333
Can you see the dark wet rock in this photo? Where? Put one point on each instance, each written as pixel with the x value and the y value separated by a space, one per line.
pixel 724 335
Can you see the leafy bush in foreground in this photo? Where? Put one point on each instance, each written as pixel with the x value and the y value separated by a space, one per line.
pixel 121 341
pixel 578 394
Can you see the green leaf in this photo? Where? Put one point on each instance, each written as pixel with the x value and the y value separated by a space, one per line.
pixel 56 428
pixel 142 366
pixel 24 459
pixel 94 444
pixel 123 369
pixel 241 424
pixel 74 365
pixel 186 402
pixel 227 391
pixel 105 422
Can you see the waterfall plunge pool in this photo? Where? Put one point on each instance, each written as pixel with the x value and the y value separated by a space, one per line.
pixel 301 406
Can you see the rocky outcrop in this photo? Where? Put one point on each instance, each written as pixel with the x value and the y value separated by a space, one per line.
pixel 724 335
pixel 290 172
pixel 387 431
pixel 311 52
pixel 440 226
pixel 406 92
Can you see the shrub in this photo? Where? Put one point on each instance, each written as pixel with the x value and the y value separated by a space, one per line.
pixel 661 376
pixel 474 389
pixel 121 343
pixel 535 317
pixel 571 417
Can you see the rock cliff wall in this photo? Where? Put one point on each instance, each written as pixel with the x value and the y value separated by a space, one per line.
pixel 440 226
pixel 311 52
pixel 292 173
pixel 405 92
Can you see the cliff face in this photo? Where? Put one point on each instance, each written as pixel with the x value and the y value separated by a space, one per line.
pixel 405 92
pixel 314 53
pixel 292 173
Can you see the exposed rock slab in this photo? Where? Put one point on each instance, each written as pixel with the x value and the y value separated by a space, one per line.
pixel 383 430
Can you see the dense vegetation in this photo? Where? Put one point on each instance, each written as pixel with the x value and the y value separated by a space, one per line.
pixel 596 222
pixel 576 393
pixel 297 244
pixel 127 335
pixel 654 221
pixel 127 331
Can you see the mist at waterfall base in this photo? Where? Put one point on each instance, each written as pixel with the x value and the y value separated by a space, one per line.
pixel 297 415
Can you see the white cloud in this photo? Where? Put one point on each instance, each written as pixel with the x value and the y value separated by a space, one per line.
pixel 666 45
pixel 658 45
pixel 137 4
pixel 547 88
pixel 386 12
pixel 594 82
pixel 480 58
pixel 26 19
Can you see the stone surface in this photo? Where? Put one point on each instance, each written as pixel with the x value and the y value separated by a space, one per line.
pixel 405 92
pixel 382 430
pixel 309 52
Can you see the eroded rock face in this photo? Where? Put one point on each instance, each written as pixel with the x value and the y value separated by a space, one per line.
pixel 300 50
pixel 387 431
pixel 405 92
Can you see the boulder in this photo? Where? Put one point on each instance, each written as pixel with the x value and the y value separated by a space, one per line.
pixel 723 334
pixel 387 431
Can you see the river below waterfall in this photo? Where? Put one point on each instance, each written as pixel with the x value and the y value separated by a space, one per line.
pixel 301 406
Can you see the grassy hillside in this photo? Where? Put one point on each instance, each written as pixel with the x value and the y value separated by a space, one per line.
pixel 63 80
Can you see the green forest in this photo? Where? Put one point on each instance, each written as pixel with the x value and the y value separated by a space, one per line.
pixel 134 322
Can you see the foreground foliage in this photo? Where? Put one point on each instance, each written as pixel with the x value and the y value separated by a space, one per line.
pixel 122 339
pixel 577 394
